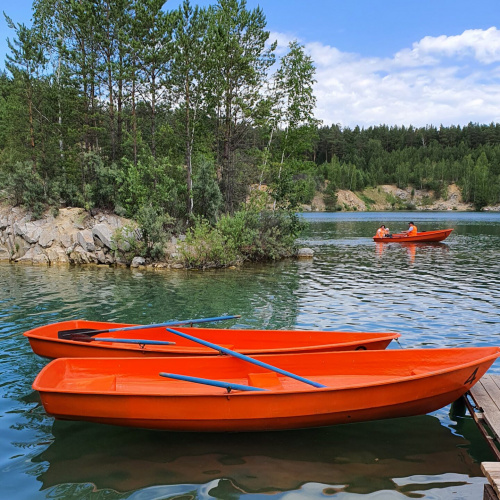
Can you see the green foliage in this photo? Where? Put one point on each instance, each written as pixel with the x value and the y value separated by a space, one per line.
pixel 29 189
pixel 205 246
pixel 206 193
pixel 330 198
pixel 246 236
pixel 155 228
pixel 150 182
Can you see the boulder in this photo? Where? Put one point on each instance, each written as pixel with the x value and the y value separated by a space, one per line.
pixel 138 261
pixel 305 253
pixel 57 255
pixel 48 236
pixel 28 231
pixel 103 232
pixel 86 240
pixel 34 255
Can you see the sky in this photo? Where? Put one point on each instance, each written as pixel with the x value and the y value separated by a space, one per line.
pixel 392 62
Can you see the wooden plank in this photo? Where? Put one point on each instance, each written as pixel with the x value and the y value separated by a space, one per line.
pixel 490 384
pixel 485 394
pixel 489 493
pixel 478 417
pixel 492 473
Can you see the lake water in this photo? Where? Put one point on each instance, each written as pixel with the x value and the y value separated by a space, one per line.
pixel 436 295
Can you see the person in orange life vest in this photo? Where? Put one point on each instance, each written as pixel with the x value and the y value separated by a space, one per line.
pixel 382 231
pixel 412 229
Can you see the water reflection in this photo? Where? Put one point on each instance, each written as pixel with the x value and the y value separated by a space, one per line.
pixel 362 458
pixel 424 250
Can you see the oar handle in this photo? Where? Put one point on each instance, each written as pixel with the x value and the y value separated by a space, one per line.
pixel 216 383
pixel 246 358
pixel 133 341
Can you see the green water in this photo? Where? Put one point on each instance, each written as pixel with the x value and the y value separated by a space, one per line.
pixel 435 295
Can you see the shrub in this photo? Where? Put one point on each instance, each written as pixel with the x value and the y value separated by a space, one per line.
pixel 205 246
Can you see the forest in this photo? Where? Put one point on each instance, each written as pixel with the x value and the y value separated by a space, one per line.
pixel 171 117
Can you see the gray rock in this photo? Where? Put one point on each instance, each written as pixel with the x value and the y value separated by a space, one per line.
pixel 86 240
pixel 35 255
pixel 103 232
pixel 101 257
pixel 66 240
pixel 137 261
pixel 28 231
pixel 57 255
pixel 47 237
pixel 305 253
pixel 80 256
pixel 4 253
pixel 21 246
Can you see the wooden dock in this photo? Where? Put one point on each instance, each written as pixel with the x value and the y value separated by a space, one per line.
pixel 483 403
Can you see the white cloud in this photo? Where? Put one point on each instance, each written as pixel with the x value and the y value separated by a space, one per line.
pixel 439 80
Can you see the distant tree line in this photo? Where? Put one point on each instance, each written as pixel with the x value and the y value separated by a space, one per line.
pixel 425 158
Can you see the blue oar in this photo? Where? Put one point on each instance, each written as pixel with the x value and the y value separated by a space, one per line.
pixel 245 358
pixel 215 383
pixel 130 341
pixel 68 334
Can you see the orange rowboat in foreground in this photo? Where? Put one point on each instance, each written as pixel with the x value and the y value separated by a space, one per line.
pixel 47 341
pixel 424 237
pixel 362 385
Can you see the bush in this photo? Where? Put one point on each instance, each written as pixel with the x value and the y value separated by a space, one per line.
pixel 155 228
pixel 205 246
pixel 26 187
pixel 248 235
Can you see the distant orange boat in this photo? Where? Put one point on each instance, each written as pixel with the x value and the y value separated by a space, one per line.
pixel 353 387
pixel 80 338
pixel 424 237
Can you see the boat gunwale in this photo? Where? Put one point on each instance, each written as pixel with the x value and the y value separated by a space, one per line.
pixel 270 392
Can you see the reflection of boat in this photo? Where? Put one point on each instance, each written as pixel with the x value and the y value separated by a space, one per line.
pixel 425 236
pixel 356 386
pixel 49 342
pixel 115 458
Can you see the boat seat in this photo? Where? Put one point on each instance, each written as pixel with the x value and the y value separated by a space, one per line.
pixel 104 383
pixel 265 380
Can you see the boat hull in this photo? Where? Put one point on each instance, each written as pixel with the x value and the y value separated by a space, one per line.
pixel 423 237
pixel 46 343
pixel 361 386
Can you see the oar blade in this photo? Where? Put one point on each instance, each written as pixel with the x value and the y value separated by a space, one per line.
pixel 78 334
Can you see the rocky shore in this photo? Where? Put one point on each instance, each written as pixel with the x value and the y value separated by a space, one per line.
pixel 74 236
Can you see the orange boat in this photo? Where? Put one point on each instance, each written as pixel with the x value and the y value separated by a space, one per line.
pixel 354 387
pixel 424 237
pixel 68 340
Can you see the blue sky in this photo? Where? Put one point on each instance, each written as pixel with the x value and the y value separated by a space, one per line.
pixel 383 61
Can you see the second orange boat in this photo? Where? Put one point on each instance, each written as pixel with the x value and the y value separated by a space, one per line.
pixel 57 341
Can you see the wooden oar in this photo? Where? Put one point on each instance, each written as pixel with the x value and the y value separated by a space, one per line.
pixel 215 383
pixel 66 334
pixel 245 358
